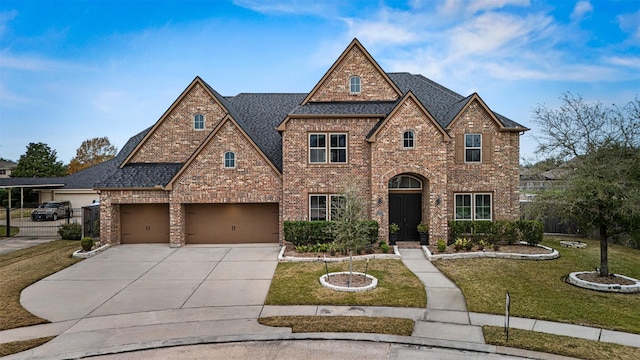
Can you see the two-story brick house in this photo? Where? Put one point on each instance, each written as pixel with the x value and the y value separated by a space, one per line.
pixel 217 169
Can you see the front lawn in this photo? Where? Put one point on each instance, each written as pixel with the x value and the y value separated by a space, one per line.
pixel 356 324
pixel 298 284
pixel 3 231
pixel 538 290
pixel 22 268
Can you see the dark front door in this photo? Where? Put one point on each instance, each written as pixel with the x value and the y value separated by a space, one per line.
pixel 406 211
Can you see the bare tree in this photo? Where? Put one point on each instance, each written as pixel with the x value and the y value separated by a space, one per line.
pixel 602 188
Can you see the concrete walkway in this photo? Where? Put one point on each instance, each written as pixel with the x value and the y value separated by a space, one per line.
pixel 150 296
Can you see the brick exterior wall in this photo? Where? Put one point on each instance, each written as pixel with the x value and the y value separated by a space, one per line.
pixel 175 139
pixel 498 176
pixel 427 161
pixel 300 178
pixel 355 63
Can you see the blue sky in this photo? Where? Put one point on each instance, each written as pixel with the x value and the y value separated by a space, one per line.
pixel 74 70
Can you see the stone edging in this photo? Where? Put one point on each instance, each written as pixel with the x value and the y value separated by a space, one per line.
pixel 478 254
pixel 283 258
pixel 87 254
pixel 626 289
pixel 374 282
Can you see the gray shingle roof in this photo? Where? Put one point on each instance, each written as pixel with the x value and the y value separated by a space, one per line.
pixel 259 115
pixel 380 108
pixel 141 175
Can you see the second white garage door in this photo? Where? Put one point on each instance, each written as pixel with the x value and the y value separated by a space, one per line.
pixel 231 223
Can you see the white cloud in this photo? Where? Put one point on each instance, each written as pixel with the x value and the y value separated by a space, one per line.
pixel 630 23
pixel 581 9
pixel 459 8
pixel 628 61
pixel 298 7
pixel 379 32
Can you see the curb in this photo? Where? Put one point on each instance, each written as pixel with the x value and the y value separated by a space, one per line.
pixel 496 255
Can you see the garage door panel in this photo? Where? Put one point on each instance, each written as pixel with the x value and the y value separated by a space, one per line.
pixel 232 223
pixel 144 223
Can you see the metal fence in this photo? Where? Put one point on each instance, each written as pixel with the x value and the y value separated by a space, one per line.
pixel 22 225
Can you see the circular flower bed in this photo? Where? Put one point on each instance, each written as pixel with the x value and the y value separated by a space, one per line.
pixel 614 283
pixel 339 281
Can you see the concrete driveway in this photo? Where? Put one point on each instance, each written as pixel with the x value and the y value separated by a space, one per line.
pixel 128 279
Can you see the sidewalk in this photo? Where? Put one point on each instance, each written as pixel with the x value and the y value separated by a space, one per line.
pixel 444 323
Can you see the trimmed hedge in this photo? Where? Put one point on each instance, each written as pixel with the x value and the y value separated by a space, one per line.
pixel 492 232
pixel 320 232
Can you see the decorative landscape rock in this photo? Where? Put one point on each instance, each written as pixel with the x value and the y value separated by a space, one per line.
pixel 625 285
pixel 573 244
pixel 362 282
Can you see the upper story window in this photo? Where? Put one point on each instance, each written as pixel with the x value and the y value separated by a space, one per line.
pixel 408 140
pixel 198 122
pixel 354 85
pixel 472 147
pixel 336 147
pixel 229 160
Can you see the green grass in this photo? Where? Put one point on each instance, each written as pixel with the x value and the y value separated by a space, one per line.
pixel 22 268
pixel 538 290
pixel 3 231
pixel 298 284
pixel 356 324
pixel 556 344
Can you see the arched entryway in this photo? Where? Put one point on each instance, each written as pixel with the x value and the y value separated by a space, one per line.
pixel 405 205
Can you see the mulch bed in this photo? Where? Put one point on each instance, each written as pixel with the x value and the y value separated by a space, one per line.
pixel 608 280
pixel 291 251
pixel 507 249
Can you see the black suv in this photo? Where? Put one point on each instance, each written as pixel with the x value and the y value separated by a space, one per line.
pixel 52 210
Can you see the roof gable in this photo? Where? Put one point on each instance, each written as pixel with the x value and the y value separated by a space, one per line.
pixel 458 109
pixel 409 97
pixel 172 138
pixel 207 141
pixel 354 61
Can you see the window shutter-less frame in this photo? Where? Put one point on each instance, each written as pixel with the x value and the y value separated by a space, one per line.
pixel 459 148
pixel 487 148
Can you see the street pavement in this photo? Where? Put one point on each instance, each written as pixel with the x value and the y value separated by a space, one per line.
pixel 163 301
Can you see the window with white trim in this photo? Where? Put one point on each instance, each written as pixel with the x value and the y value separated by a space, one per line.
pixel 408 139
pixel 324 207
pixel 229 160
pixel 473 206
pixel 319 147
pixel 198 122
pixel 472 148
pixel 354 85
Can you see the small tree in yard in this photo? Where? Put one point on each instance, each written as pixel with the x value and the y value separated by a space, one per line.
pixel 602 187
pixel 350 231
pixel 92 152
pixel 39 161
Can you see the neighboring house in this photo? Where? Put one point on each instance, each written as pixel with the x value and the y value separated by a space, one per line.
pixel 78 188
pixel 216 169
pixel 5 168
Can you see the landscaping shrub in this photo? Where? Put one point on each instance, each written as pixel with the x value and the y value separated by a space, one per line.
pixel 87 243
pixel 532 231
pixel 321 232
pixel 384 247
pixel 70 231
pixel 442 245
pixel 491 232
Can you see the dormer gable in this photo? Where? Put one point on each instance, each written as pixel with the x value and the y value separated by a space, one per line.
pixel 411 101
pixel 182 128
pixel 355 76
